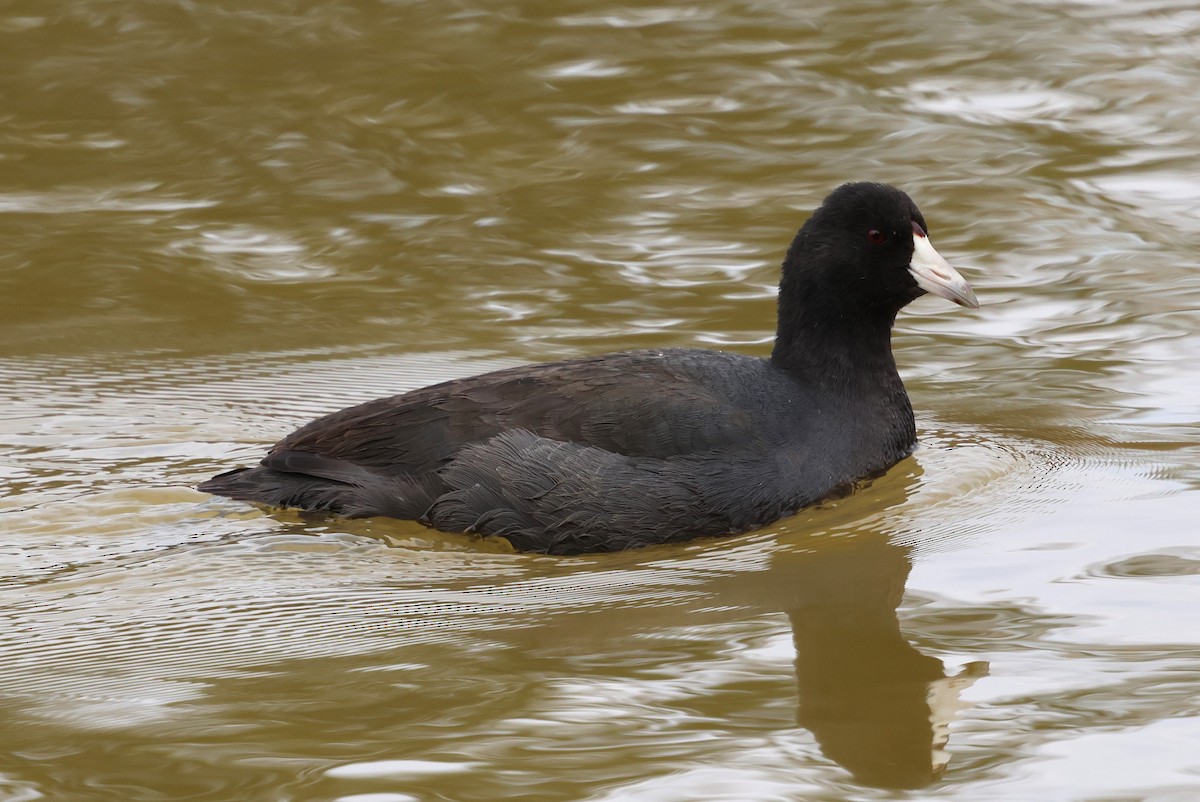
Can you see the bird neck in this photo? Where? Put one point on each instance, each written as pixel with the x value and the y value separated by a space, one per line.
pixel 845 363
pixel 836 343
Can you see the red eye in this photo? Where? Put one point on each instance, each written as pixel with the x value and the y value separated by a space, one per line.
pixel 876 237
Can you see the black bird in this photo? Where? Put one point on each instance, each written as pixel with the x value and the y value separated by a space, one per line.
pixel 617 451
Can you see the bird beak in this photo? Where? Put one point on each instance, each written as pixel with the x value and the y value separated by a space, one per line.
pixel 935 275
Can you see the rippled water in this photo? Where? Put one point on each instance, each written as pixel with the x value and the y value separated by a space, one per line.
pixel 218 220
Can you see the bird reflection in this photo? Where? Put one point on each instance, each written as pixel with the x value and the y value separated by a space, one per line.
pixel 875 704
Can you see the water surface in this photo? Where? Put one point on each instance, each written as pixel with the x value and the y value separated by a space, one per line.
pixel 218 220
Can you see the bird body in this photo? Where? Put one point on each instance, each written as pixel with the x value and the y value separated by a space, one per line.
pixel 616 451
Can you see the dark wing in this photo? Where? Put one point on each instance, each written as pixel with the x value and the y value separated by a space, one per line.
pixel 641 403
pixel 566 498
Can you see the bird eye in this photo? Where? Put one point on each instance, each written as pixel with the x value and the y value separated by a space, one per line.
pixel 876 237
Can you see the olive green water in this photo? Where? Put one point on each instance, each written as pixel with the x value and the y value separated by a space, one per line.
pixel 219 219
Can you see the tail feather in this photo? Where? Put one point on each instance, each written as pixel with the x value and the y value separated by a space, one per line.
pixel 360 496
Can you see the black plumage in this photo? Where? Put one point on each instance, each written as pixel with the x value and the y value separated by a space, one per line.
pixel 622 450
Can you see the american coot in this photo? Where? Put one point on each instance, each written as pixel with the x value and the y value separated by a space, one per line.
pixel 612 452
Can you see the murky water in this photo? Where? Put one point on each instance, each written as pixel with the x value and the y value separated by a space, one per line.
pixel 218 220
